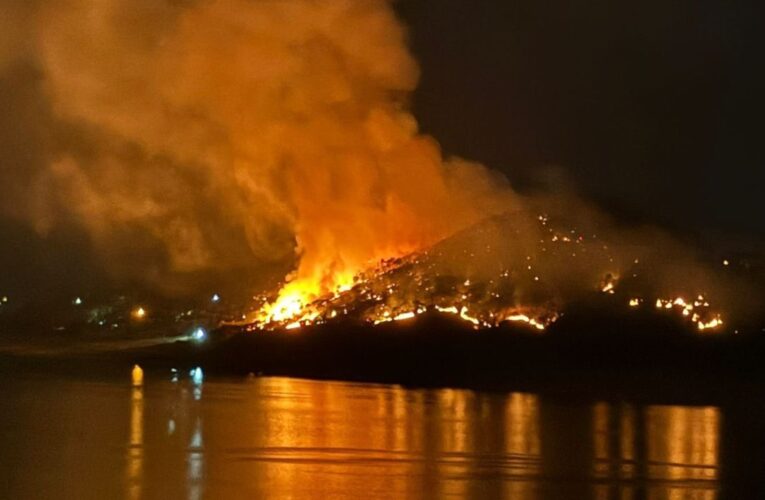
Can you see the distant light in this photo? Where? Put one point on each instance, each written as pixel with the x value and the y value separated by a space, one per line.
pixel 197 376
pixel 77 301
pixel 726 263
pixel 139 313
pixel 137 376
pixel 215 298
pixel 199 334
pixel 5 299
pixel 174 375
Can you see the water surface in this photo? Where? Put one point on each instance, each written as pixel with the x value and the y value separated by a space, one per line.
pixel 66 437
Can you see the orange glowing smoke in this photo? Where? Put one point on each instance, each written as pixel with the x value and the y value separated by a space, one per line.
pixel 283 125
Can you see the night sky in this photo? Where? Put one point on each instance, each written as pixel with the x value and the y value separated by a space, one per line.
pixel 653 109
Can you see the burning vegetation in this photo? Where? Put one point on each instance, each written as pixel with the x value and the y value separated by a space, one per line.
pixel 230 136
pixel 494 285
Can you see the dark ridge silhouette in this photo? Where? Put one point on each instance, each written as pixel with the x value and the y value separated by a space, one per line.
pixel 644 356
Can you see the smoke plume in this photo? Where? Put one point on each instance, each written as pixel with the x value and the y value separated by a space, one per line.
pixel 229 130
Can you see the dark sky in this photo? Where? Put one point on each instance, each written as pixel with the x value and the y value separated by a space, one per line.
pixel 653 108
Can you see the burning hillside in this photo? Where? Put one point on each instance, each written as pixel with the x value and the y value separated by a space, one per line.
pixel 242 138
pixel 482 276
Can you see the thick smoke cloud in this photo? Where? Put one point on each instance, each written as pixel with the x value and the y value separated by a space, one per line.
pixel 232 130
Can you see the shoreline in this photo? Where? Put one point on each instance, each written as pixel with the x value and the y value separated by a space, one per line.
pixel 644 360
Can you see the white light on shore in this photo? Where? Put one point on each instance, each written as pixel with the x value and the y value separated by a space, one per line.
pixel 199 334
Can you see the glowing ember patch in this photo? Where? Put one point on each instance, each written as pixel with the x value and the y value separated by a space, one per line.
pixel 697 312
pixel 525 319
pixel 635 302
pixel 293 326
pixel 714 323
pixel 464 315
pixel 608 288
pixel 404 316
pixel 448 310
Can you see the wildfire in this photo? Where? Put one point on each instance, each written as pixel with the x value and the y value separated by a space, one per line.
pixel 403 288
pixel 376 298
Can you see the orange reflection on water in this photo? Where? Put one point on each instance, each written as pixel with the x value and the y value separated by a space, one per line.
pixel 301 439
pixel 523 444
pixel 292 438
pixel 135 446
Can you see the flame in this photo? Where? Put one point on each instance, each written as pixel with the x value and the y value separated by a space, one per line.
pixel 464 315
pixel 448 310
pixel 289 306
pixel 525 319
pixel 404 316
pixel 697 312
pixel 713 323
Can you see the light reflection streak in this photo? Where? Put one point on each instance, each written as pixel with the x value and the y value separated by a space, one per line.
pixel 194 473
pixel 135 444
pixel 523 442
